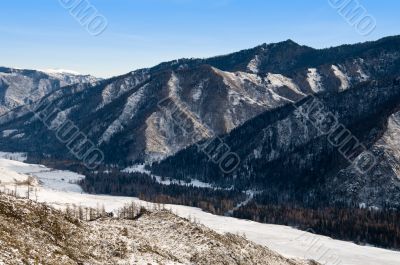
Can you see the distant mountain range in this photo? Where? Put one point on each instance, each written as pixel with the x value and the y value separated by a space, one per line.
pixel 122 115
pixel 18 87
pixel 246 98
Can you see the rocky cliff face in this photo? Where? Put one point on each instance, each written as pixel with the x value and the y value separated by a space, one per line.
pixel 124 118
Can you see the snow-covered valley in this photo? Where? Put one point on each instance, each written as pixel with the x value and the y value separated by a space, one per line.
pixel 57 188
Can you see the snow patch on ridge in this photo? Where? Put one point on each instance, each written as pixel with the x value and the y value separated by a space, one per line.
pixel 198 90
pixel 314 80
pixel 7 133
pixel 254 65
pixel 344 79
pixel 60 71
pixel 278 80
pixel 362 76
pixel 69 77
pixel 236 82
pixel 250 89
pixel 196 94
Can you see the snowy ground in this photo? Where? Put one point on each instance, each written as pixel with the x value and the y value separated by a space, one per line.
pixel 141 169
pixel 13 156
pixel 285 240
pixel 49 179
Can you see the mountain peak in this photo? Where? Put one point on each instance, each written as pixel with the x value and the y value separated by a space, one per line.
pixel 289 42
pixel 286 42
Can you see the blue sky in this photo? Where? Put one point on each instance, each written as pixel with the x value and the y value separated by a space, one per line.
pixel 41 34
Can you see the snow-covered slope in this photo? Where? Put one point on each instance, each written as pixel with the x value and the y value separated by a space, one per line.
pixel 344 79
pixel 70 77
pixel 290 242
pixel 18 87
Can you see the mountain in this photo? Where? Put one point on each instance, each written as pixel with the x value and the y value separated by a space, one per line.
pixel 70 77
pixel 18 87
pixel 34 233
pixel 288 159
pixel 126 116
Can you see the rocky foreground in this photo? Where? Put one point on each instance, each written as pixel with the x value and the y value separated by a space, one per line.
pixel 33 233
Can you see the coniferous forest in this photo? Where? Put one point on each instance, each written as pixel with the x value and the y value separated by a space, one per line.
pixel 345 222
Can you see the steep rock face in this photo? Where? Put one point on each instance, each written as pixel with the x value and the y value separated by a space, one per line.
pixel 380 187
pixel 18 87
pixel 123 115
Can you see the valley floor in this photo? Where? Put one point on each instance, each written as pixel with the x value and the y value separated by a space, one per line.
pixel 290 242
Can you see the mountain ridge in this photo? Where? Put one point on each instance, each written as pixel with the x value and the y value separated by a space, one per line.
pixel 224 92
pixel 21 86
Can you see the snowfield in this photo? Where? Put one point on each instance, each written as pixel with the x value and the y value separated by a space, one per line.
pixel 13 156
pixel 57 188
pixel 167 182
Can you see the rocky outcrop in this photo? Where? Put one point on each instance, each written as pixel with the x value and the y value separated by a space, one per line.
pixel 32 233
